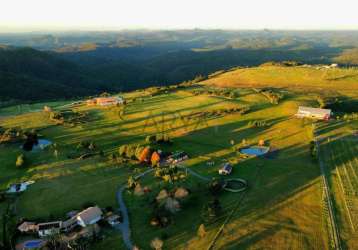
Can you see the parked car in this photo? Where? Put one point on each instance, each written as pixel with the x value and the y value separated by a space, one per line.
pixel 114 219
pixel 226 169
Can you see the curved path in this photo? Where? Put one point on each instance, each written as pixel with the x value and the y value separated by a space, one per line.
pixel 124 227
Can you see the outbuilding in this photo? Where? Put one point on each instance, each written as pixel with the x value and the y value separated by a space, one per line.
pixel 226 169
pixel 105 101
pixel 89 216
pixel 314 113
pixel 27 227
pixel 109 101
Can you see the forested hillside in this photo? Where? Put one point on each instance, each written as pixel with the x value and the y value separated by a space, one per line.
pixel 28 74
pixel 63 65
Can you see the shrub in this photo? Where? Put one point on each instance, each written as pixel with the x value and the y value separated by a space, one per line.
pixel 92 146
pixel 130 151
pixel 145 154
pixel 131 183
pixel 215 187
pixel 20 161
pixel 122 150
pixel 57 116
pixel 314 153
pixel 201 231
pixel 138 152
pixel 211 210
pixel 155 158
pixel 112 157
pixel 151 138
pixel 156 244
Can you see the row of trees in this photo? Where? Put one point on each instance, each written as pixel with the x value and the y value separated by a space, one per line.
pixel 225 92
pixel 272 95
pixel 11 135
pixel 158 139
pixel 69 117
pixel 282 64
pixel 136 152
pixel 350 117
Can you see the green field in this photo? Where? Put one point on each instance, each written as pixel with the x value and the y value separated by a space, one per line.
pixel 300 78
pixel 339 150
pixel 282 207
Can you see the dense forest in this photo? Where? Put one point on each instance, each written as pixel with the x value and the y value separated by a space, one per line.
pixel 38 66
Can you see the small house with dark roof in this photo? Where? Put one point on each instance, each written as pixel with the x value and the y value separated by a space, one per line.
pixel 226 169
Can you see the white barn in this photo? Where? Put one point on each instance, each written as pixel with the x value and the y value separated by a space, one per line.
pixel 314 113
pixel 109 101
pixel 89 216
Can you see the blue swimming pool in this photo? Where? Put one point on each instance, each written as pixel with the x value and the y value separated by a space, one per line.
pixel 33 244
pixel 38 146
pixel 42 143
pixel 255 150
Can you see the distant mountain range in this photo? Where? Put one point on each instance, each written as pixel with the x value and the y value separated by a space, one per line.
pixel 63 65
pixel 29 74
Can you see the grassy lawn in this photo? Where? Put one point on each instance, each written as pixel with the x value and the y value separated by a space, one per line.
pixel 282 207
pixel 282 190
pixel 112 241
pixel 33 107
pixel 340 154
pixel 304 78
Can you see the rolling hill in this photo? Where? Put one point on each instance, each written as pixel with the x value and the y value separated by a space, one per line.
pixel 299 77
pixel 28 74
pixel 67 65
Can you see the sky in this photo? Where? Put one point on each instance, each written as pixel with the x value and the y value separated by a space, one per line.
pixel 37 15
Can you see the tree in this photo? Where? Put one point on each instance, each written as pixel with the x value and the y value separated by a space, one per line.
pixel 150 138
pixel 91 146
pixel 201 231
pixel 172 205
pixel 145 154
pixel 130 151
pixel 211 210
pixel 8 229
pixel 55 153
pixel 156 244
pixel 261 142
pixel 112 157
pixel 138 152
pixel 155 159
pixel 20 161
pixel 215 187
pixel 122 150
pixel 131 182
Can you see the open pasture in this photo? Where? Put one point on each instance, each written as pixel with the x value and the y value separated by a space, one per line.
pixel 339 150
pixel 282 205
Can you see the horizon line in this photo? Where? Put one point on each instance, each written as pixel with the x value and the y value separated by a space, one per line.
pixel 89 29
